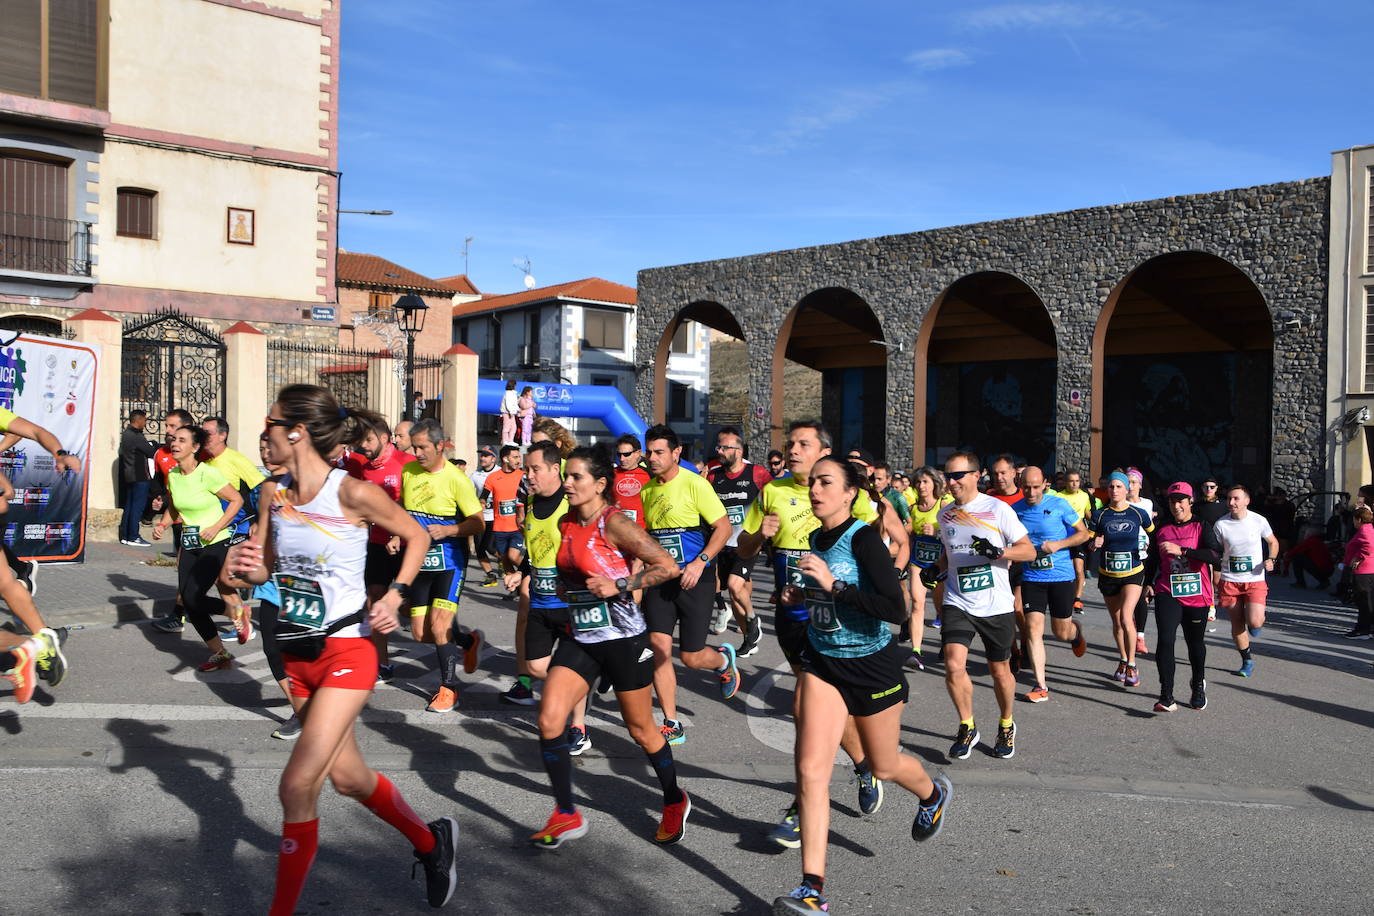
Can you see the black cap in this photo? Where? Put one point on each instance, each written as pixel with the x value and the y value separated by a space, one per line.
pixel 861 455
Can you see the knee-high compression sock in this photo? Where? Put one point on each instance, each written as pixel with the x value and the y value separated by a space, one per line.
pixel 450 659
pixel 299 842
pixel 558 764
pixel 387 803
pixel 662 762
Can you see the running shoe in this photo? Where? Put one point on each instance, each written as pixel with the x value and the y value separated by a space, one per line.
pixel 604 686
pixel 28 577
pixel 578 741
pixel 1140 647
pixel 672 732
pixel 1132 678
pixel 674 824
pixel 1199 698
pixel 937 622
pixel 169 624
pixel 384 674
pixel 1078 606
pixel 491 581
pixel 219 661
pixel 243 625
pixel 914 662
pixel 930 818
pixel 289 730
pixel 1255 632
pixel 1246 669
pixel 720 616
pixel 473 653
pixel 1120 674
pixel 561 826
pixel 904 632
pixel 1165 704
pixel 788 831
pixel 24 674
pixel 440 863
pixel 870 793
pixel 518 695
pixel 1355 634
pixel 1080 642
pixel 137 542
pixel 964 742
pixel 446 700
pixel 805 899
pixel 1038 695
pixel 1015 659
pixel 51 663
pixel 1006 742
pixel 729 675
pixel 750 645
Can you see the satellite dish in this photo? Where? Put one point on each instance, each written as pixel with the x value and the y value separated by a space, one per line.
pixel 529 281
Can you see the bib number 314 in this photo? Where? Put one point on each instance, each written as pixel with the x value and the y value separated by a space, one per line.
pixel 302 601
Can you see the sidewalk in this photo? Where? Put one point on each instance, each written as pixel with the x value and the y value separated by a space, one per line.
pixel 114 585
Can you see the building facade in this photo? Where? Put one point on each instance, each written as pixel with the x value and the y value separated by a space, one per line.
pixel 584 333
pixel 1350 312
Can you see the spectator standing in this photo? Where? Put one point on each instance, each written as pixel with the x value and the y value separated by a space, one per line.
pixel 1359 559
pixel 1312 557
pixel 526 405
pixel 510 408
pixel 135 451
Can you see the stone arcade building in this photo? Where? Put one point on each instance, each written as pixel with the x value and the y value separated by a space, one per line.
pixel 1185 335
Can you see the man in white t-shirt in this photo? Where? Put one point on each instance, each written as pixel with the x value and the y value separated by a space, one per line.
pixel 982 537
pixel 1248 551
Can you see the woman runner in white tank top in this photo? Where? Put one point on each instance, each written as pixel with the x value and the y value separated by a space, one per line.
pixel 315 549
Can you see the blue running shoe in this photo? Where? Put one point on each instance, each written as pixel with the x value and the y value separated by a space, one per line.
pixel 870 792
pixel 805 899
pixel 930 818
pixel 788 831
pixel 1246 669
pixel 672 732
pixel 964 742
pixel 578 741
pixel 729 675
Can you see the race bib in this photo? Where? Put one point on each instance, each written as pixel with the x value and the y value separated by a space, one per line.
pixel 736 514
pixel 821 604
pixel 544 582
pixel 1041 563
pixel 794 573
pixel 975 578
pixel 588 611
pixel 434 561
pixel 507 506
pixel 1240 564
pixel 927 553
pixel 673 544
pixel 634 515
pixel 190 537
pixel 1119 561
pixel 302 601
pixel 1185 585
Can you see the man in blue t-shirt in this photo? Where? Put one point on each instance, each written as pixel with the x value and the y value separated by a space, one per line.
pixel 1048 583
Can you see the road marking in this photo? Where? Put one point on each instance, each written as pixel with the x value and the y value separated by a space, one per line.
pixel 1133 796
pixel 769 729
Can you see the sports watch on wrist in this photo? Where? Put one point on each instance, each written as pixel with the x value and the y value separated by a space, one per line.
pixel 622 584
pixel 838 586
pixel 704 557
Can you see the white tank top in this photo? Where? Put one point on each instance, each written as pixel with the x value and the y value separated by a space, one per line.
pixel 315 543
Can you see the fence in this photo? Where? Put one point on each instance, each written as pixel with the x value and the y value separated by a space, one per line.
pixel 343 371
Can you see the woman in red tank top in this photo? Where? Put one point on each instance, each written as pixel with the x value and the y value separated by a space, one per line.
pixel 609 641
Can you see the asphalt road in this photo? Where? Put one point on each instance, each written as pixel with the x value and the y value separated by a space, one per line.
pixel 141 786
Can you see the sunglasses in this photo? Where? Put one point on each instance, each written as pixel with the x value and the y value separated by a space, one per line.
pixel 957 475
pixel 269 422
pixel 624 454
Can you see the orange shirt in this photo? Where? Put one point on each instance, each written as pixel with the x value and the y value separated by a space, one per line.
pixel 504 487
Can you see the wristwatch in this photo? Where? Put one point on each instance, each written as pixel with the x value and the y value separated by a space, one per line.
pixel 838 586
pixel 622 585
pixel 401 588
pixel 62 453
pixel 704 557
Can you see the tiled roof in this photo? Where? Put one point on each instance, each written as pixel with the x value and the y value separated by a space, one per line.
pixel 592 288
pixel 461 285
pixel 370 271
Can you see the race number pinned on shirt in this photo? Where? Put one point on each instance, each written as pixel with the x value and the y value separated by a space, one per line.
pixel 1240 564
pixel 1185 585
pixel 190 537
pixel 1119 561
pixel 821 604
pixel 436 559
pixel 673 544
pixel 588 611
pixel 507 506
pixel 927 553
pixel 975 578
pixel 1045 562
pixel 302 601
pixel 544 582
pixel 736 514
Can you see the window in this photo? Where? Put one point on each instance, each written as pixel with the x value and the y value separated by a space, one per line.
pixel 603 330
pixel 1369 338
pixel 681 399
pixel 136 214
pixel 683 337
pixel 1369 236
pixel 379 302
pixel 604 381
pixel 36 233
pixel 50 49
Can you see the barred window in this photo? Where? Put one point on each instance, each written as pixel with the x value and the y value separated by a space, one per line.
pixel 136 216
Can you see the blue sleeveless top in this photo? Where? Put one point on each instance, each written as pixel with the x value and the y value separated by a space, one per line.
pixel 836 628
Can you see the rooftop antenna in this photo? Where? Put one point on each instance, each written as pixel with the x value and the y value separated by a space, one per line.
pixel 467 243
pixel 525 266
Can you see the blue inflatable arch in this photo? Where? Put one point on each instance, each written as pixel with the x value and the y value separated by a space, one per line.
pixel 594 402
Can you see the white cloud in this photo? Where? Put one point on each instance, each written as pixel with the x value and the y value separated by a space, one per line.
pixel 1007 16
pixel 837 107
pixel 938 59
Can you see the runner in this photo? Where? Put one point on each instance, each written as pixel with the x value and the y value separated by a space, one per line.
pixel 610 640
pixel 163 461
pixel 982 537
pixel 543 614
pixel 678 506
pixel 1083 506
pixel 925 552
pixel 502 489
pixel 315 549
pixel 1117 531
pixel 244 476
pixel 777 465
pixel 482 546
pixel 1005 485
pixel 737 483
pixel 1048 582
pixel 851 668
pixel 1178 575
pixel 207 505
pixel 401 435
pixel 885 484
pixel 441 498
pixel 782 517
pixel 378 461
pixel 1142 607
pixel 630 477
pixel 1248 551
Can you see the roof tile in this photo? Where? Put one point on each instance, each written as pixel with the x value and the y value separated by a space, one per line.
pixel 369 270
pixel 593 288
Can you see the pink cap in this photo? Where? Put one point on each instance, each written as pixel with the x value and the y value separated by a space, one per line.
pixel 1182 488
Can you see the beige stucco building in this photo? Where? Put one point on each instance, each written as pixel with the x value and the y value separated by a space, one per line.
pixel 1350 315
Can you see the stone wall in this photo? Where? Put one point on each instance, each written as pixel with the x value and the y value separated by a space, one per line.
pixel 1276 234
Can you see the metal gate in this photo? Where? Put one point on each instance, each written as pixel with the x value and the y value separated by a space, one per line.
pixel 171 361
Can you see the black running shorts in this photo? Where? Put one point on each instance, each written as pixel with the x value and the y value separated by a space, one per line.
pixel 382 566
pixel 1111 586
pixel 543 627
pixel 868 684
pixel 729 564
pixel 997 632
pixel 1054 598
pixel 670 607
pixel 628 662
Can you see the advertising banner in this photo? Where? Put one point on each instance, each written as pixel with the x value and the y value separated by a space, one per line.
pixel 50 383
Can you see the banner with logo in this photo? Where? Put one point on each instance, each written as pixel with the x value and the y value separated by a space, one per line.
pixel 50 383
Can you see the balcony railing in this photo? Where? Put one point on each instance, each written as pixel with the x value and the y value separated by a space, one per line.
pixel 44 244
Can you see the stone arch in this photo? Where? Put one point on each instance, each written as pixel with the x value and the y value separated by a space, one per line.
pixel 986 371
pixel 713 315
pixel 835 330
pixel 1182 372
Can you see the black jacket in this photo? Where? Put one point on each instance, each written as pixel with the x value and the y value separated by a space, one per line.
pixel 134 452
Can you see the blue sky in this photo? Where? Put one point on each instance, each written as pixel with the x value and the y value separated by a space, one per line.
pixel 602 138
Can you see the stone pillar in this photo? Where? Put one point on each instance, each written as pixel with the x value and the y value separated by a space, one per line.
pixel 102 460
pixel 384 388
pixel 458 411
pixel 246 398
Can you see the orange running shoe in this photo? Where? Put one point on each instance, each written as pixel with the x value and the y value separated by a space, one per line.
pixel 243 625
pixel 1080 643
pixel 24 674
pixel 220 661
pixel 674 823
pixel 473 653
pixel 444 701
pixel 560 827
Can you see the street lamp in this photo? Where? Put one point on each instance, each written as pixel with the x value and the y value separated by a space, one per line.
pixel 410 315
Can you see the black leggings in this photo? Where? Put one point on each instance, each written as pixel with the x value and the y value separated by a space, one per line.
pixel 267 627
pixel 1169 616
pixel 197 572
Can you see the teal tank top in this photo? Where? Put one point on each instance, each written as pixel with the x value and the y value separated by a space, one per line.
pixel 836 628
